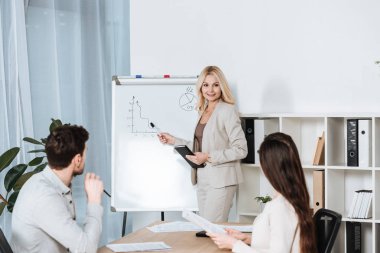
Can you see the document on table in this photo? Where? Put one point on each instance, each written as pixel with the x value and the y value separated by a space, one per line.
pixel 175 226
pixel 144 246
pixel 180 226
pixel 202 222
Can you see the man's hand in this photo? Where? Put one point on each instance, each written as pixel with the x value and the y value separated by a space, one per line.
pixel 94 188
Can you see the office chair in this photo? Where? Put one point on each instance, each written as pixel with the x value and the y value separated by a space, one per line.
pixel 4 245
pixel 327 223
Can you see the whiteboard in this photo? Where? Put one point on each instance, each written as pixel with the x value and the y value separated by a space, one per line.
pixel 147 175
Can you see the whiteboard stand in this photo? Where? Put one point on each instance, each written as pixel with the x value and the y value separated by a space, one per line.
pixel 145 174
pixel 125 222
pixel 162 216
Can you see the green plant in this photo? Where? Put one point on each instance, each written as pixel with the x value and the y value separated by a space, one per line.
pixel 263 199
pixel 17 175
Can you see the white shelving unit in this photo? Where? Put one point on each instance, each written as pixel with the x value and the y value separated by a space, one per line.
pixel 340 180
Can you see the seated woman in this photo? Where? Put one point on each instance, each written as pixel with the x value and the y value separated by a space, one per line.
pixel 286 224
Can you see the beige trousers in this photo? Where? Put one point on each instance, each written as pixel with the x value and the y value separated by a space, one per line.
pixel 214 203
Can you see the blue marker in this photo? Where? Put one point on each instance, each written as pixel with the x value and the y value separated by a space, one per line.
pixel 139 76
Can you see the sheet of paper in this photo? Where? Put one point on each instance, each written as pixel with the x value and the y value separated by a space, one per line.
pixel 241 228
pixel 175 226
pixel 144 246
pixel 202 222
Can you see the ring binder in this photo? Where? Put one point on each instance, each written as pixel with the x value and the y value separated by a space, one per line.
pixel 364 142
pixel 319 156
pixel 352 142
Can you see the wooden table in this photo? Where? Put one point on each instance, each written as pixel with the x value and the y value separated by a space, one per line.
pixel 184 242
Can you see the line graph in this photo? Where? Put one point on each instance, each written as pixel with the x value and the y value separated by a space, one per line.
pixel 138 119
pixel 138 122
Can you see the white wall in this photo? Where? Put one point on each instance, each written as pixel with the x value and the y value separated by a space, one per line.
pixel 279 55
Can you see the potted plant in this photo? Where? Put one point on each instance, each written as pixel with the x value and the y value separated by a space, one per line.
pixel 17 175
pixel 262 200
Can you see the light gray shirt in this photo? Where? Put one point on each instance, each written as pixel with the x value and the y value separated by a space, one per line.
pixel 43 218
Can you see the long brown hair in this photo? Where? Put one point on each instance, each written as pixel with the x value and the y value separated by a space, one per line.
pixel 226 91
pixel 281 165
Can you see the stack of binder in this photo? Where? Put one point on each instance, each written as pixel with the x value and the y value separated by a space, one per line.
pixel 361 205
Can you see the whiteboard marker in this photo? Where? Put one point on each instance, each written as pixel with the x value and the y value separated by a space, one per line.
pixel 154 127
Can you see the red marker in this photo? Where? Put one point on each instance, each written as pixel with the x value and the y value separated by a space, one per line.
pixel 166 76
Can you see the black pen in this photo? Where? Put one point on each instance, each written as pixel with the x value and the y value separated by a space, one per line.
pixel 109 195
pixel 155 128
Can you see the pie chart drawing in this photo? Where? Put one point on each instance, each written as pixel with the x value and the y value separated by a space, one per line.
pixel 187 101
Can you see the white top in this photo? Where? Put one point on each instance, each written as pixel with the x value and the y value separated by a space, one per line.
pixel 274 230
pixel 43 218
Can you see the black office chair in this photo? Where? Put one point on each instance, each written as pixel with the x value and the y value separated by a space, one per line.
pixel 4 245
pixel 327 223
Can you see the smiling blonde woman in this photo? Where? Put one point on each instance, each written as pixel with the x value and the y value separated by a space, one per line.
pixel 218 142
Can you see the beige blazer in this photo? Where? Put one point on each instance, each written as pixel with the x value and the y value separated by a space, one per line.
pixel 224 141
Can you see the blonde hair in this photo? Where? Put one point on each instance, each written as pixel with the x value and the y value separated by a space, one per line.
pixel 226 96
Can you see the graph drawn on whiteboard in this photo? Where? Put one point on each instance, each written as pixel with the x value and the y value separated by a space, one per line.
pixel 139 123
pixel 188 100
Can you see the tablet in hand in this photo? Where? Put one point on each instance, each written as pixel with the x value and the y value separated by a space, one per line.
pixel 183 150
